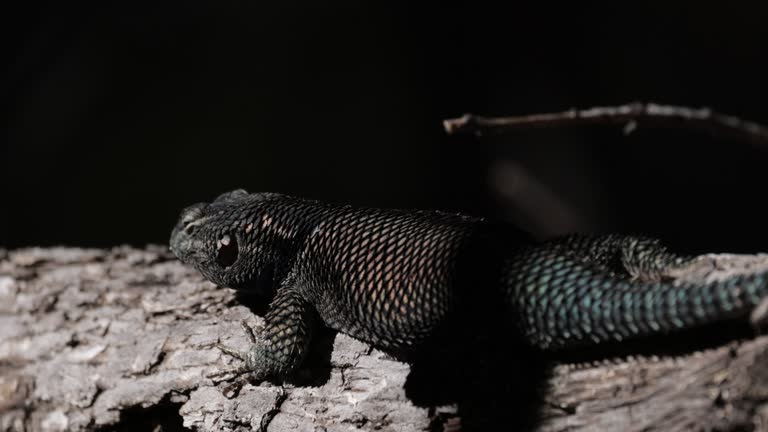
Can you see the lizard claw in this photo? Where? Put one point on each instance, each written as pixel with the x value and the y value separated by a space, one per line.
pixel 240 355
pixel 229 374
pixel 248 332
pixel 235 377
pixel 234 373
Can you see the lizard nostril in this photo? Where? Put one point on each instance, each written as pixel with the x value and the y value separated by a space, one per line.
pixel 226 250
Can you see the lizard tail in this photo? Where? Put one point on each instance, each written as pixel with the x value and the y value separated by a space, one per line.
pixel 563 303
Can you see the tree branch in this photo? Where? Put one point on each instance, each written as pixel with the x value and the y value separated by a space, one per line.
pixel 717 124
pixel 124 339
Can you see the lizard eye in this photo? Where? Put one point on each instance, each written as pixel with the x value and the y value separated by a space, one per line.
pixel 190 215
pixel 226 250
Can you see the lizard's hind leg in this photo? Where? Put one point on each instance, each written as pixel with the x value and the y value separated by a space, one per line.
pixel 647 259
pixel 622 256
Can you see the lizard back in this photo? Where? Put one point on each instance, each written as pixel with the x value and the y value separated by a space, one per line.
pixel 387 277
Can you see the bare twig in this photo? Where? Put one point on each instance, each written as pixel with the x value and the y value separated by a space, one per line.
pixel 696 118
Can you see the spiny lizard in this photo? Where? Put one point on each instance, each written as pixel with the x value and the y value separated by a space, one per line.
pixel 391 277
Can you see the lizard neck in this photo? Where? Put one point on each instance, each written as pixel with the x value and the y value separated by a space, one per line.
pixel 287 222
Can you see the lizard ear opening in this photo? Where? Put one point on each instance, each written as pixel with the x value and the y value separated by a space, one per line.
pixel 226 250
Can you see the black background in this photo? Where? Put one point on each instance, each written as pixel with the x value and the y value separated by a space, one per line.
pixel 120 115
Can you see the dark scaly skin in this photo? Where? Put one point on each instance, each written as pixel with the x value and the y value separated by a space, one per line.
pixel 621 256
pixel 562 302
pixel 390 277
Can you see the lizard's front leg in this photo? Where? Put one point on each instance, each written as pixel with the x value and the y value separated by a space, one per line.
pixel 282 345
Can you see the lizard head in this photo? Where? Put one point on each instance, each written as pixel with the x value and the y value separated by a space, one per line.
pixel 227 242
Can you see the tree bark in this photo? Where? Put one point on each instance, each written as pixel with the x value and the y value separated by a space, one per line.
pixel 124 339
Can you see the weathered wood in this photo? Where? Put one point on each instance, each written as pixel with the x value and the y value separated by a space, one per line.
pixel 124 339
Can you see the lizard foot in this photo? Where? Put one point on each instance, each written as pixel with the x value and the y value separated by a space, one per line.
pixel 235 373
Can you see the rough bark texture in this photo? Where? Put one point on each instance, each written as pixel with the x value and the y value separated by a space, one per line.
pixel 124 339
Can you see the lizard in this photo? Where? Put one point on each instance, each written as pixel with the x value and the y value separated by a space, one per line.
pixel 390 277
